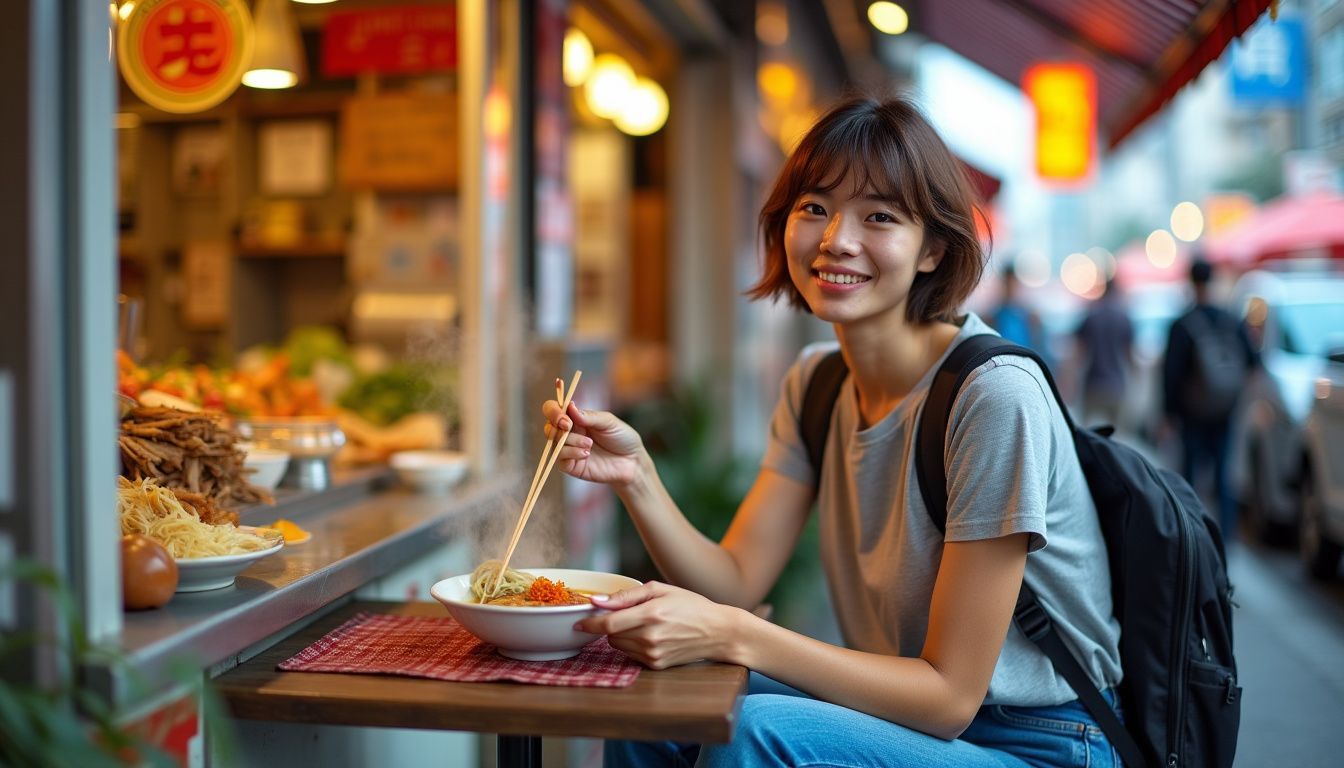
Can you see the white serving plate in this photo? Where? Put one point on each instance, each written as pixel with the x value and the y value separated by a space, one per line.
pixel 199 574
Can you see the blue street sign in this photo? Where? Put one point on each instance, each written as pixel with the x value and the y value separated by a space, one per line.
pixel 1269 64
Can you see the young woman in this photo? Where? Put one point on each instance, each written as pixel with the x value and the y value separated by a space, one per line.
pixel 870 227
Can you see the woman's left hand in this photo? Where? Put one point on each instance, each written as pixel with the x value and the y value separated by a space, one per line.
pixel 663 626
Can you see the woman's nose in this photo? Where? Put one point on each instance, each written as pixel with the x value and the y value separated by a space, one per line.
pixel 839 238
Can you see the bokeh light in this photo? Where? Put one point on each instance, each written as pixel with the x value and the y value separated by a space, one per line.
pixel 1032 268
pixel 1187 221
pixel 578 58
pixel 1080 274
pixel 889 18
pixel 1104 259
pixel 1160 248
pixel 609 85
pixel 645 109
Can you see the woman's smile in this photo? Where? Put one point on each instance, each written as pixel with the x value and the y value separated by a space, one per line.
pixel 838 280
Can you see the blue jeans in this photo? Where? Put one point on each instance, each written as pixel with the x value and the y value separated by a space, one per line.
pixel 786 728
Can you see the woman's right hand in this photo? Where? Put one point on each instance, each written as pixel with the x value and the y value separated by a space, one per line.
pixel 601 448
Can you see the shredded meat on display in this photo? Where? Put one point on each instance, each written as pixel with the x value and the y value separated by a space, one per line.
pixel 194 454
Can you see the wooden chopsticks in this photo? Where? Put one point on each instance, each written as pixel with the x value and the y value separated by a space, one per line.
pixel 548 458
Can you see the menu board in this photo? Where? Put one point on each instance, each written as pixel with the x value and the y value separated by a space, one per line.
pixel 400 141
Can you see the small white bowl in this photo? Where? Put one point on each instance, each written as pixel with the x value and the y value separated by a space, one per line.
pixel 267 465
pixel 530 633
pixel 430 472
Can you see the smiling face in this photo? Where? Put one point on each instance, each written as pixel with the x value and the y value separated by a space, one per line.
pixel 871 213
pixel 853 255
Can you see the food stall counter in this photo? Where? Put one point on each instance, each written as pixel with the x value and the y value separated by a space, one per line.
pixel 362 530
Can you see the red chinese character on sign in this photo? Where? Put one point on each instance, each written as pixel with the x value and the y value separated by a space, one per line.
pixel 186 44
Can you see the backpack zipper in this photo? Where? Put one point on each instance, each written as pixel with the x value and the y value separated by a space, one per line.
pixel 1176 683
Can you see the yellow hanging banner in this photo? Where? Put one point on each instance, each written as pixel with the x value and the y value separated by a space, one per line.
pixel 1064 96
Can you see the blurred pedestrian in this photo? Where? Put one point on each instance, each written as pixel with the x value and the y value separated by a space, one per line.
pixel 1013 319
pixel 1207 363
pixel 1106 340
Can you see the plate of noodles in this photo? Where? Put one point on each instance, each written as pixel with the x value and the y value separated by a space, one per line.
pixel 198 574
pixel 530 614
pixel 209 556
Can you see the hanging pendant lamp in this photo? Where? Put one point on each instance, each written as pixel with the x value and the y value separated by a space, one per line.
pixel 277 57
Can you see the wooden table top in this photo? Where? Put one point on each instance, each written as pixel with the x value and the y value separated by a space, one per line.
pixel 694 703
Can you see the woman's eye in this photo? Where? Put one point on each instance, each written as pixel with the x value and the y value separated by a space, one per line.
pixel 814 209
pixel 883 218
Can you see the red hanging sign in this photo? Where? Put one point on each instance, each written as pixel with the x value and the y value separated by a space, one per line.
pixel 185 55
pixel 403 40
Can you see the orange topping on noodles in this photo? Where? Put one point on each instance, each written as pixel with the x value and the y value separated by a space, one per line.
pixel 543 590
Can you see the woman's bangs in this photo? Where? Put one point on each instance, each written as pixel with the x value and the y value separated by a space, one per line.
pixel 853 152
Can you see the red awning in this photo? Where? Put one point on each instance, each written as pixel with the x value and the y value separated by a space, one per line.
pixel 1142 51
pixel 1306 226
pixel 985 185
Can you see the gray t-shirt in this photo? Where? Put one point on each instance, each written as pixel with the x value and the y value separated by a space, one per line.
pixel 1011 468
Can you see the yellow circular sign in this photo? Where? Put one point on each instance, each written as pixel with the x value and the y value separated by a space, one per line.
pixel 185 55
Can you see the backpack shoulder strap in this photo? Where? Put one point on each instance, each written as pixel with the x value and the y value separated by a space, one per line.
pixel 1028 614
pixel 968 355
pixel 1035 623
pixel 818 402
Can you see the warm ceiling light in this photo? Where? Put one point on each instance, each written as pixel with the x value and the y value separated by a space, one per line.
pixel 888 18
pixel 1187 221
pixel 277 57
pixel 610 83
pixel 578 58
pixel 645 109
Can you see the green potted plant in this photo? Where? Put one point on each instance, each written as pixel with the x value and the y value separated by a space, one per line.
pixel 66 724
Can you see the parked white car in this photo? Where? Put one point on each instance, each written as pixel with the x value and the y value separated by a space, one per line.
pixel 1321 530
pixel 1294 318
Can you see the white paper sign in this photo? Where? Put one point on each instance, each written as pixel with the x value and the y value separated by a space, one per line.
pixel 295 157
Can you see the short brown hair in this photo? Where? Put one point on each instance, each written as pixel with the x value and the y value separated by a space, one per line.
pixel 892 149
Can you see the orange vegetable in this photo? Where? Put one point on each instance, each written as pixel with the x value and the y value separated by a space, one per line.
pixel 543 590
pixel 291 531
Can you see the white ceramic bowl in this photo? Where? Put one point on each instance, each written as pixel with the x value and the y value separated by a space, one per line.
pixel 267 465
pixel 530 633
pixel 430 471
pixel 199 574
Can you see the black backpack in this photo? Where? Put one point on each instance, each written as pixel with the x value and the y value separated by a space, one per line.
pixel 1180 697
pixel 1218 366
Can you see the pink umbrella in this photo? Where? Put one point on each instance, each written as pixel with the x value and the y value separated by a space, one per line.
pixel 1306 226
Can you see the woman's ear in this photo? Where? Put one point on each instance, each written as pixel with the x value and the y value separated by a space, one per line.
pixel 933 255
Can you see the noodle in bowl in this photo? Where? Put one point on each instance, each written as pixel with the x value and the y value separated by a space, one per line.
pixel 530 633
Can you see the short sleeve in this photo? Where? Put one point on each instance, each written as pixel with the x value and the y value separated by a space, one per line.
pixel 785 452
pixel 999 453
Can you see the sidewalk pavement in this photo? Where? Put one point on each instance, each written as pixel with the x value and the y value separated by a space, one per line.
pixel 1289 640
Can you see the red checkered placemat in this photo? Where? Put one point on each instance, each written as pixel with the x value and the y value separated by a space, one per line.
pixel 438 647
